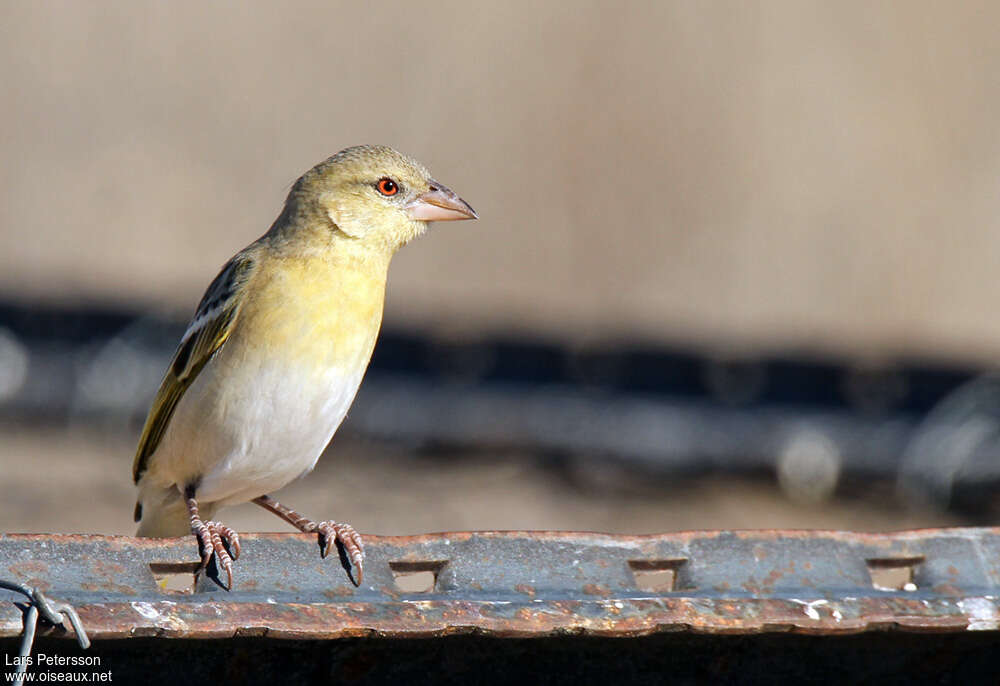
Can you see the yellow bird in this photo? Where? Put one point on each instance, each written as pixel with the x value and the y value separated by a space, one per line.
pixel 276 351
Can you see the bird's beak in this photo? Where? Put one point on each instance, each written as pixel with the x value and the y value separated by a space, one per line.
pixel 439 204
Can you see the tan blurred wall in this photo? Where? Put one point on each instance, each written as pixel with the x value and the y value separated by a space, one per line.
pixel 824 175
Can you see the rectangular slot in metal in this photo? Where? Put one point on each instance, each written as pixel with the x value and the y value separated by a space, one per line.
pixel 656 576
pixel 893 573
pixel 416 577
pixel 174 577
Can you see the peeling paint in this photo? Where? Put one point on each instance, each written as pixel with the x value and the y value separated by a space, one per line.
pixel 982 613
pixel 146 610
pixel 810 607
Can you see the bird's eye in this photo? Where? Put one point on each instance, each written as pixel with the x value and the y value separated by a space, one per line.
pixel 387 186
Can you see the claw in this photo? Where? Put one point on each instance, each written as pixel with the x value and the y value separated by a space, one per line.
pixel 230 538
pixel 216 540
pixel 352 550
pixel 330 532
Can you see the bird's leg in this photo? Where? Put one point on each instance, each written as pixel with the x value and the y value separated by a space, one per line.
pixel 214 538
pixel 328 532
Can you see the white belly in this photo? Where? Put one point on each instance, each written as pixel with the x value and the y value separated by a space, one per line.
pixel 268 427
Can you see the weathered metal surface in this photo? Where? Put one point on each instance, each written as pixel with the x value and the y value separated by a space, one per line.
pixel 523 584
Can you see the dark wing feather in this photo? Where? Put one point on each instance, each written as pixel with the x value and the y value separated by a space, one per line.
pixel 208 330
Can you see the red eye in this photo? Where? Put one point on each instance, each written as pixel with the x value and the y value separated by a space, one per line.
pixel 387 187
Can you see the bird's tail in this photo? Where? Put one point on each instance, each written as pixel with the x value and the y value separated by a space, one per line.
pixel 162 513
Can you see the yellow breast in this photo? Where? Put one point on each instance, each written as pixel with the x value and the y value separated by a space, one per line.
pixel 315 310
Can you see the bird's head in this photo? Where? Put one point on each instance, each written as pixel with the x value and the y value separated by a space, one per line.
pixel 377 196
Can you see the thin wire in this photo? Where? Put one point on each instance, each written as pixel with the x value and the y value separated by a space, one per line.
pixel 53 611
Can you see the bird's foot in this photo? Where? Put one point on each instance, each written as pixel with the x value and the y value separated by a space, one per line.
pixel 330 532
pixel 221 542
pixel 352 550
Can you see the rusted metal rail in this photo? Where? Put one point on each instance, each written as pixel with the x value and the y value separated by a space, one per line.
pixel 522 584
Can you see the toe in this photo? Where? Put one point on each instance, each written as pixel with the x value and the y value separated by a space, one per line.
pixel 222 557
pixel 231 539
pixel 204 538
pixel 327 536
pixel 354 547
pixel 220 542
pixel 331 532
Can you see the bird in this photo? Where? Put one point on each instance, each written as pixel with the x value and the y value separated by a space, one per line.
pixel 276 351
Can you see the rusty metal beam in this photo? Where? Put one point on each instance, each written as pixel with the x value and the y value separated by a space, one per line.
pixel 524 584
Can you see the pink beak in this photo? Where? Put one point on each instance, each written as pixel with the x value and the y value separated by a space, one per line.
pixel 439 204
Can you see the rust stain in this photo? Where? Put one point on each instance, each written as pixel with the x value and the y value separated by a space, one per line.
pixel 525 589
pixel 597 589
pixel 948 590
pixel 596 617
pixel 341 591
pixel 108 586
pixel 106 568
pixel 28 567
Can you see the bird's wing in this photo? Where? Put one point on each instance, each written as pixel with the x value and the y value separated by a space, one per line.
pixel 209 328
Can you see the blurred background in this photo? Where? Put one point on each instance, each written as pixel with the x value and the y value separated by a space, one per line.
pixel 736 265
